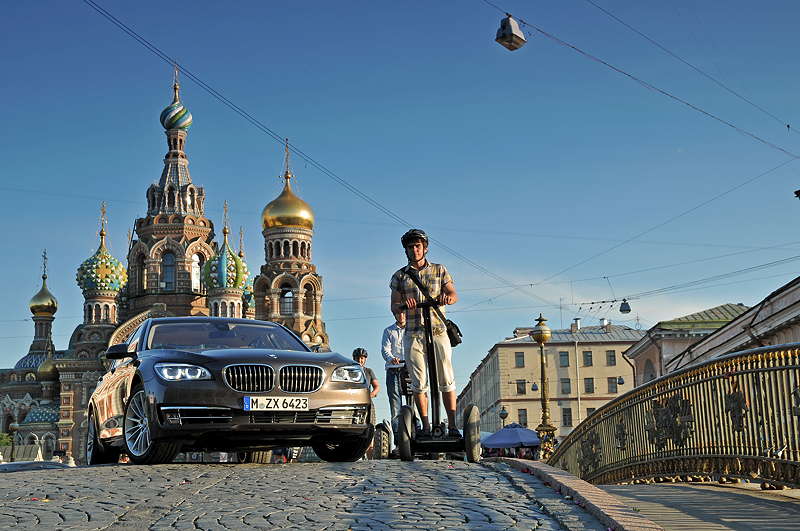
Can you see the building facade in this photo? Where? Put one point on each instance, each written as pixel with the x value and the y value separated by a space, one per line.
pixel 667 339
pixel 585 367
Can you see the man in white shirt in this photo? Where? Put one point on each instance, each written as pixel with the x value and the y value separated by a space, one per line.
pixel 392 352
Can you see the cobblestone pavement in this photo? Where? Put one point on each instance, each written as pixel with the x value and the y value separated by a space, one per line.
pixel 362 495
pixel 689 507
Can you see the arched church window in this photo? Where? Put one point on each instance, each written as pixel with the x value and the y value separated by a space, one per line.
pixel 308 300
pixel 215 309
pixel 32 439
pixel 113 314
pixel 287 300
pixel 224 309
pixel 96 318
pixel 106 315
pixel 295 249
pixel 286 249
pixel 168 271
pixel 197 268
pixel 141 274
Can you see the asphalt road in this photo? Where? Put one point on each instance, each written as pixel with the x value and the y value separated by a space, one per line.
pixel 361 495
pixel 691 507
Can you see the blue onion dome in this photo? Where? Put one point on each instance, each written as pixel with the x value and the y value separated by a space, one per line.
pixel 175 115
pixel 226 269
pixel 43 303
pixel 101 271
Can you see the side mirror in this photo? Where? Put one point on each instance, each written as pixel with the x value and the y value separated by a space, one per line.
pixel 118 352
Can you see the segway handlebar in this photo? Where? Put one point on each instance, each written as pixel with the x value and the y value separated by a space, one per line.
pixel 426 304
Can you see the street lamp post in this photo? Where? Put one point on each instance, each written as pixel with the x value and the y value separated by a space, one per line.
pixel 13 427
pixel 541 334
pixel 503 415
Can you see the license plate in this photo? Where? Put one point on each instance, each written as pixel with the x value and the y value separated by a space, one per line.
pixel 264 403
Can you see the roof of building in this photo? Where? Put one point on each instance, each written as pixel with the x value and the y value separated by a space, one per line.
pixel 710 318
pixel 587 334
pixel 41 414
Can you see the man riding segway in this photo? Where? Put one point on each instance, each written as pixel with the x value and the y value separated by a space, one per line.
pixel 419 289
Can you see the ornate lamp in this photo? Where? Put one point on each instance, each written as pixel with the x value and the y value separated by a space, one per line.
pixel 541 334
pixel 503 415
pixel 13 427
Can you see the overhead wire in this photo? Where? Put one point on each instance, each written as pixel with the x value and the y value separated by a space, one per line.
pixel 697 69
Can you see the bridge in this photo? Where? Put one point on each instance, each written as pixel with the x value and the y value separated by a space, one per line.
pixel 713 444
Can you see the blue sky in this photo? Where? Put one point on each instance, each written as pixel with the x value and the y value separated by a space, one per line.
pixel 526 163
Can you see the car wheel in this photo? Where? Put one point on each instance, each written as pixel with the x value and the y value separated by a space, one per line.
pixel 472 433
pixel 382 443
pixel 136 433
pixel 405 433
pixel 344 450
pixel 260 457
pixel 96 452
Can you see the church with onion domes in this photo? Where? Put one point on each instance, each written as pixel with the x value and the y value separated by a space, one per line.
pixel 174 268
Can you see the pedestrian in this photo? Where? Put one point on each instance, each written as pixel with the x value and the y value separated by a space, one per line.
pixel 392 352
pixel 360 355
pixel 406 294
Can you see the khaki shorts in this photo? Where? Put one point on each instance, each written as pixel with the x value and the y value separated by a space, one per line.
pixel 416 359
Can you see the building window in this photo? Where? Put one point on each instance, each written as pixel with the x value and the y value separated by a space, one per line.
pixel 523 417
pixel 587 358
pixel 520 387
pixel 141 274
pixel 611 358
pixel 590 410
pixel 566 416
pixel 308 300
pixel 168 271
pixel 563 359
pixel 612 384
pixel 287 301
pixel 588 385
pixel 519 360
pixel 566 386
pixel 197 268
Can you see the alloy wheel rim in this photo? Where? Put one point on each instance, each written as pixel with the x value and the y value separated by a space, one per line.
pixel 137 431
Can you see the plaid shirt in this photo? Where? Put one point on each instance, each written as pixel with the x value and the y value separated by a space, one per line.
pixel 433 277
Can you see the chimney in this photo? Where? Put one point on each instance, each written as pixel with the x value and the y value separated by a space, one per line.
pixel 604 323
pixel 576 325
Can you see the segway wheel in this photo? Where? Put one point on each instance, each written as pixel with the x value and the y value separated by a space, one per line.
pixel 382 442
pixel 405 427
pixel 472 433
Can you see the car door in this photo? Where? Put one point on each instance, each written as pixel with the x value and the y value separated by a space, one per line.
pixel 115 387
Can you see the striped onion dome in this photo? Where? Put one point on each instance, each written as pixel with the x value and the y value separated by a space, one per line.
pixel 175 115
pixel 226 269
pixel 101 271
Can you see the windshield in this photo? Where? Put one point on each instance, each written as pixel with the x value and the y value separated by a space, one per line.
pixel 198 336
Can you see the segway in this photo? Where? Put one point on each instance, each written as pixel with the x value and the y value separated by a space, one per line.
pixel 409 442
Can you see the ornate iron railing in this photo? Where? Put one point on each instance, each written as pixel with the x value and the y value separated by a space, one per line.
pixel 733 417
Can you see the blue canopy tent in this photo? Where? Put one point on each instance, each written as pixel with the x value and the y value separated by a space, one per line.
pixel 512 436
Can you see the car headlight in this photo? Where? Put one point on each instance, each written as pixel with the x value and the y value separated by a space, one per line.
pixel 350 373
pixel 173 372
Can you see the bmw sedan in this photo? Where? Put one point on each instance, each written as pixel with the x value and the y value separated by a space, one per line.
pixel 223 384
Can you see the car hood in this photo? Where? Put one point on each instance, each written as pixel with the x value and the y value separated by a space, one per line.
pixel 250 355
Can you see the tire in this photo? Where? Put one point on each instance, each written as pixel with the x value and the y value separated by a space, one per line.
pixel 344 450
pixel 472 433
pixel 136 433
pixel 259 457
pixel 382 443
pixel 405 435
pixel 96 452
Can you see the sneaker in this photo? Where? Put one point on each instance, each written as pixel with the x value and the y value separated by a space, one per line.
pixel 453 432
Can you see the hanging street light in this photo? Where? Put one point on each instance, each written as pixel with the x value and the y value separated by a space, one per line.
pixel 624 307
pixel 509 35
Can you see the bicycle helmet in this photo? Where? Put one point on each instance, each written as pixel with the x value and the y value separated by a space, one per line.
pixel 359 352
pixel 414 234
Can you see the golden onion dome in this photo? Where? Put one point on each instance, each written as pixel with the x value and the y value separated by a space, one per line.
pixel 287 210
pixel 47 370
pixel 43 303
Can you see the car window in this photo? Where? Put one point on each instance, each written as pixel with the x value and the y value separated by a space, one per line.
pixel 211 335
pixel 133 341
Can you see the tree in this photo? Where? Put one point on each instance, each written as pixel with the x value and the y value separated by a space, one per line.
pixel 5 439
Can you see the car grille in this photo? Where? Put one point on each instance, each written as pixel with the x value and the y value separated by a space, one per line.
pixel 335 415
pixel 250 378
pixel 300 378
pixel 196 415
